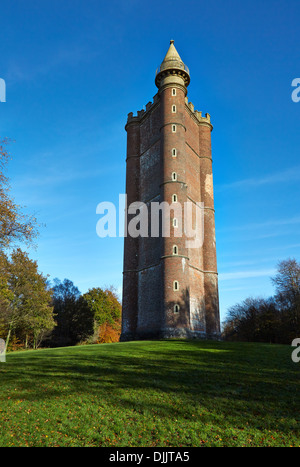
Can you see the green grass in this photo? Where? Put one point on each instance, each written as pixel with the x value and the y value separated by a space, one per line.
pixel 159 393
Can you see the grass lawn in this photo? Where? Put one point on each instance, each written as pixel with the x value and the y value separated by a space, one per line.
pixel 152 393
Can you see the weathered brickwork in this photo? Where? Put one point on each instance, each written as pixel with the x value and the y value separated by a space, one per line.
pixel 169 289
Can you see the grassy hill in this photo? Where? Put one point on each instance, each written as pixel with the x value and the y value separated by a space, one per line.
pixel 158 393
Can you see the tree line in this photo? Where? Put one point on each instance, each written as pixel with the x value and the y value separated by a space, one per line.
pixel 275 319
pixel 34 312
pixel 94 317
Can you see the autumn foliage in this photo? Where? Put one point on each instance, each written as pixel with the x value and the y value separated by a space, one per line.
pixel 106 310
pixel 25 310
pixel 94 317
pixel 33 313
pixel 108 333
pixel 15 224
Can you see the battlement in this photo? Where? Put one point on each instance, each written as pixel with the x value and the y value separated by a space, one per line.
pixel 141 113
pixel 197 114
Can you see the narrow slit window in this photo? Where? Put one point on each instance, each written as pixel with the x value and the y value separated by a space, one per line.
pixel 174 198
pixel 174 128
pixel 175 222
pixel 174 152
pixel 175 286
pixel 175 250
pixel 174 109
pixel 174 176
pixel 174 92
pixel 176 308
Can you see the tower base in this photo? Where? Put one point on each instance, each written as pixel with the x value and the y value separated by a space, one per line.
pixel 169 333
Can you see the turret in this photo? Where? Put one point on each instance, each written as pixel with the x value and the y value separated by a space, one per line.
pixel 172 70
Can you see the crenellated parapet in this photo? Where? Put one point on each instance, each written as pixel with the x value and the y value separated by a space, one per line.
pixel 142 113
pixel 204 120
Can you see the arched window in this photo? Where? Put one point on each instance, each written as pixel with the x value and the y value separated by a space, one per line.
pixel 176 308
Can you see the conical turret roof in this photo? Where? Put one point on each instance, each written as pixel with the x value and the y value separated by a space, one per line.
pixel 172 54
pixel 172 63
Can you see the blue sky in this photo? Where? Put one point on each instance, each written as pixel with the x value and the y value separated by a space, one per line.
pixel 75 69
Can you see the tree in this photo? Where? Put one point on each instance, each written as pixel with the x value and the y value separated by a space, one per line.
pixel 25 298
pixel 15 224
pixel 6 297
pixel 287 281
pixel 276 319
pixel 287 284
pixel 255 320
pixel 106 310
pixel 94 316
pixel 73 316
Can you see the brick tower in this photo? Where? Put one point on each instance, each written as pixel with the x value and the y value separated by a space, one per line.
pixel 169 289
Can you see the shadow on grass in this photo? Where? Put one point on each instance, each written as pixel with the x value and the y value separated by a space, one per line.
pixel 170 377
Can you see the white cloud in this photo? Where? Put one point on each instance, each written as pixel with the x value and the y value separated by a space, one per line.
pixel 226 276
pixel 290 175
pixel 20 70
pixel 261 225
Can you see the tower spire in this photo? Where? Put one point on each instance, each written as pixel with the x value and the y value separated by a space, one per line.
pixel 172 53
pixel 172 66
